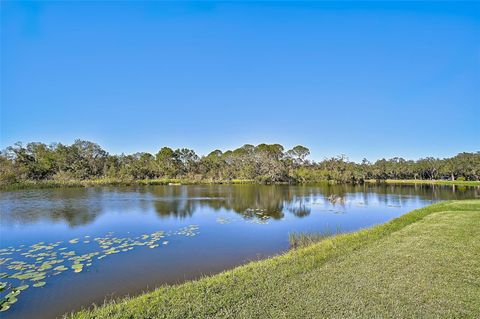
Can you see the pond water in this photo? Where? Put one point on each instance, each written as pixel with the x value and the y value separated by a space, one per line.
pixel 64 249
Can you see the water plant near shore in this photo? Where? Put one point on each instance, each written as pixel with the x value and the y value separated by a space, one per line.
pixel 32 266
pixel 303 239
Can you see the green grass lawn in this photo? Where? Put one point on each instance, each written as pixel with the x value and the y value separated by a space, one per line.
pixel 425 264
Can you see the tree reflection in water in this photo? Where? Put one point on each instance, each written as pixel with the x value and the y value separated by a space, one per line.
pixel 80 206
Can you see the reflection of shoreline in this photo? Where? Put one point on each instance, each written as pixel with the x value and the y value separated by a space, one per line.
pixel 82 206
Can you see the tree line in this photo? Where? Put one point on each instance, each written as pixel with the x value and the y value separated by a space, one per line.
pixel 263 163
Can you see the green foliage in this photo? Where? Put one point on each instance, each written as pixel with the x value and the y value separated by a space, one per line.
pixel 88 163
pixel 298 240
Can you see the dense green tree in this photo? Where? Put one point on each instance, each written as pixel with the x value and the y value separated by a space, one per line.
pixel 266 163
pixel 187 161
pixel 168 163
pixel 212 166
pixel 298 154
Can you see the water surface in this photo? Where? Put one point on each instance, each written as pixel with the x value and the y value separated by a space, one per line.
pixel 126 240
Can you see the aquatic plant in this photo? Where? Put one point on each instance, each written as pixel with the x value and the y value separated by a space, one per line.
pixel 250 215
pixel 32 266
pixel 302 239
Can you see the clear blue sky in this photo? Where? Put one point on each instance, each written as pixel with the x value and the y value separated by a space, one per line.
pixel 365 80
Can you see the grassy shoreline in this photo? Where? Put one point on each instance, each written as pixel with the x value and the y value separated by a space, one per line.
pixel 425 182
pixel 184 181
pixel 113 182
pixel 425 263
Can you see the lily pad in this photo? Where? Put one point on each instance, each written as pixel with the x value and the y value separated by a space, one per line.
pixel 60 268
pixel 4 306
pixel 39 277
pixel 12 294
pixel 12 300
pixel 77 267
pixel 44 260
pixel 45 266
pixel 22 287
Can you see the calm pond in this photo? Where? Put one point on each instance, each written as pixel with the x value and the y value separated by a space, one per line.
pixel 64 249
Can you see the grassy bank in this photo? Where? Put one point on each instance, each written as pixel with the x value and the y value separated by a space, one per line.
pixel 87 183
pixel 423 264
pixel 186 181
pixel 426 182
pixel 114 182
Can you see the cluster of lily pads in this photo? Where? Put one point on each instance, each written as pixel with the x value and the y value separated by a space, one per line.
pixel 251 215
pixel 30 266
